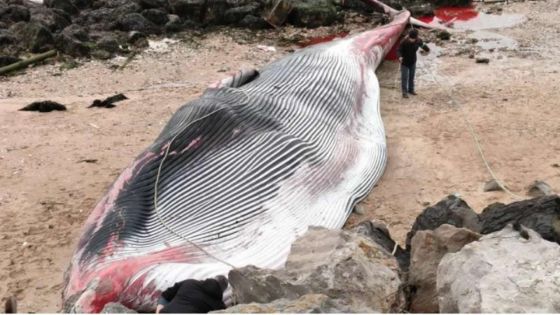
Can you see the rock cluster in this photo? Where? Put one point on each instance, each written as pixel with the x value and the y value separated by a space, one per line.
pixel 102 28
pixel 503 260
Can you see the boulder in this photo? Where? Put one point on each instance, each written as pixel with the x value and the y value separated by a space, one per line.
pixel 237 14
pixel 108 42
pixel 508 271
pixel 451 210
pixel 379 233
pixel 309 303
pixel 539 214
pixel 106 17
pixel 313 13
pixel 189 9
pixel 136 22
pixel 64 5
pixel 428 248
pixel 73 40
pixel 33 36
pixel 7 38
pixel 53 19
pixel 352 270
pixel 14 13
pixel 156 16
pixel 152 4
pixel 82 4
pixel 253 22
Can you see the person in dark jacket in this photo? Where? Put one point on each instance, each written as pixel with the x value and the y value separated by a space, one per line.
pixel 407 57
pixel 194 296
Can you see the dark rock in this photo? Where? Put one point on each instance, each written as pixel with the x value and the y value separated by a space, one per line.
pixel 379 233
pixel 156 16
pixel 107 17
pixel 313 13
pixel 64 5
pixel 109 102
pixel 136 22
pixel 421 9
pixel 189 9
pixel 44 107
pixel 540 214
pixel 76 32
pixel 82 4
pixel 53 19
pixel 444 35
pixel 109 42
pixel 8 60
pixel 215 9
pixel 33 36
pixel 174 23
pixel 482 60
pixel 152 4
pixel 539 189
pixel 7 38
pixel 428 248
pixel 73 40
pixel 451 210
pixel 116 308
pixel 253 22
pixel 15 13
pixel 361 6
pixel 356 273
pixel 235 15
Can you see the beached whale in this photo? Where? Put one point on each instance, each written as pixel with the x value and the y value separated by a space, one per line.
pixel 238 174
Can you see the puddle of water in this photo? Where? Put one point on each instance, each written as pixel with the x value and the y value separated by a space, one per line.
pixel 321 39
pixel 488 40
pixel 467 18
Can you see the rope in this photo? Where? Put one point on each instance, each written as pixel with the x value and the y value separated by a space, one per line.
pixel 156 184
pixel 474 135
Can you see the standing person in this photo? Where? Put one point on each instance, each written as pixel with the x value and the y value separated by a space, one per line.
pixel 194 296
pixel 407 57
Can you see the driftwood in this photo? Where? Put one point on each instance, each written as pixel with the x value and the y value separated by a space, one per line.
pixel 24 63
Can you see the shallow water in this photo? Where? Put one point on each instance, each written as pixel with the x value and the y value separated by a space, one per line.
pixel 468 18
pixel 489 40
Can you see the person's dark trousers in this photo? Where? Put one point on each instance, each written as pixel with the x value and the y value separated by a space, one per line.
pixel 407 78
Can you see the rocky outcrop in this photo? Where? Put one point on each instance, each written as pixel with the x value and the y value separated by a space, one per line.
pixel 44 24
pixel 352 270
pixel 508 271
pixel 428 248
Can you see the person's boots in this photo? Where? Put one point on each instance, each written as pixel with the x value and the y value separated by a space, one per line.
pixel 412 92
pixel 404 95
